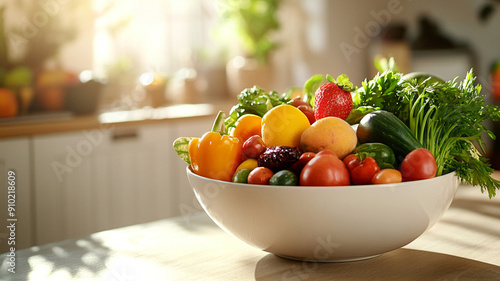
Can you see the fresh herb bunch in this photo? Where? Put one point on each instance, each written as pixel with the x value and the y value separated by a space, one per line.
pixel 384 91
pixel 255 101
pixel 446 117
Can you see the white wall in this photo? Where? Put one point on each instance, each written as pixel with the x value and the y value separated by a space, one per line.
pixel 313 32
pixel 311 38
pixel 459 19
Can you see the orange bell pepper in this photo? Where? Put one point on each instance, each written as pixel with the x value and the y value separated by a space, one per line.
pixel 215 156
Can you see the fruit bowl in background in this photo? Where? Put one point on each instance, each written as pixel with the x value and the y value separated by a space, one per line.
pixel 326 223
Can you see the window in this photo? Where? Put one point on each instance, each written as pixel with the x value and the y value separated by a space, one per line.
pixel 152 35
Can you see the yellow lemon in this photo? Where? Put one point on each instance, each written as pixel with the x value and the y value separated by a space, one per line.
pixel 283 125
pixel 329 133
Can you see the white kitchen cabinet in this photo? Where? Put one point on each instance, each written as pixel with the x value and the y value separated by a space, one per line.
pixel 93 180
pixel 66 181
pixel 15 157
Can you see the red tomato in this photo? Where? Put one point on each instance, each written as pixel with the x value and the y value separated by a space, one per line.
pixel 308 111
pixel 298 102
pixel 305 157
pixel 351 161
pixel 419 164
pixel 253 147
pixel 387 176
pixel 326 152
pixel 260 175
pixel 363 173
pixel 325 169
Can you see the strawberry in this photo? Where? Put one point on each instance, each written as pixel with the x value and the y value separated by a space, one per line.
pixel 334 98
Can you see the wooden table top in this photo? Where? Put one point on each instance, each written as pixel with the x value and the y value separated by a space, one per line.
pixel 464 245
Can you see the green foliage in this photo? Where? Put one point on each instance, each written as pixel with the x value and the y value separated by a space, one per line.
pixel 219 125
pixel 382 64
pixel 253 20
pixel 255 101
pixel 310 87
pixel 181 147
pixel 383 92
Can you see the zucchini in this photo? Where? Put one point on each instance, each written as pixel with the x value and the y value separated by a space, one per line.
pixel 384 127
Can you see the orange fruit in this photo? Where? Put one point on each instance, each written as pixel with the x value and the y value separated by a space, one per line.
pixel 329 133
pixel 51 98
pixel 246 126
pixel 283 125
pixel 8 103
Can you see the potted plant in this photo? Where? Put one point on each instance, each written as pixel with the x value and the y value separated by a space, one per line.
pixel 251 22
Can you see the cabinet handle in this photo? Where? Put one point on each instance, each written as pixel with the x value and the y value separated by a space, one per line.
pixel 124 135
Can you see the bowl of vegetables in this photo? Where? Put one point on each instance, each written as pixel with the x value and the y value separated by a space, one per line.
pixel 341 173
pixel 325 223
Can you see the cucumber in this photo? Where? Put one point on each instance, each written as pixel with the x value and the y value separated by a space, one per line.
pixel 384 127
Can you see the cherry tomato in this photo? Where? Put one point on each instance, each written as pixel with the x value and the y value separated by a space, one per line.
pixel 419 164
pixel 363 173
pixel 325 169
pixel 298 102
pixel 351 161
pixel 308 111
pixel 387 176
pixel 260 175
pixel 305 157
pixel 253 147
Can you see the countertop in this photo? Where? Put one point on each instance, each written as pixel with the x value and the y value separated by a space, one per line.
pixel 463 245
pixel 57 122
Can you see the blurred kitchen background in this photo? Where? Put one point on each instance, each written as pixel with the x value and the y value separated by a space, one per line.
pixel 92 93
pixel 194 48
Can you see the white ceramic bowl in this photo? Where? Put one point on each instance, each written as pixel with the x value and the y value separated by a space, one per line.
pixel 329 223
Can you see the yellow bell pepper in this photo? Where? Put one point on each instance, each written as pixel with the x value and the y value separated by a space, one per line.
pixel 215 156
pixel 249 164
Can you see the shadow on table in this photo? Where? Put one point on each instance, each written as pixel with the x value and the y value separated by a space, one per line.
pixel 401 264
pixel 489 208
pixel 71 257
